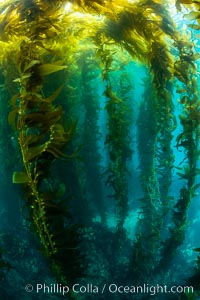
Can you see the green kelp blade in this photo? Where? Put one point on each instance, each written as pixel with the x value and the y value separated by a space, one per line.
pixel 196 186
pixel 55 94
pixel 12 118
pixel 13 101
pixel 33 152
pixel 196 249
pixel 20 177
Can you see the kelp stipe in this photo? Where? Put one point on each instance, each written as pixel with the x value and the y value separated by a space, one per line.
pixel 90 134
pixel 117 139
pixel 188 139
pixel 146 249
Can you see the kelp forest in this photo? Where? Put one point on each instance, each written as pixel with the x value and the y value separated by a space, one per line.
pixel 99 149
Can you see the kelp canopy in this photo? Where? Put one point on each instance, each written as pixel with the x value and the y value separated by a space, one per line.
pixel 68 89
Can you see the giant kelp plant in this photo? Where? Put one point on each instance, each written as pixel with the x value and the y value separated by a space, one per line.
pixel 108 169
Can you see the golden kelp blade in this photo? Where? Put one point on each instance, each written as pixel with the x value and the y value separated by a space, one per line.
pixel 47 69
pixel 194 15
pixel 186 1
pixel 31 64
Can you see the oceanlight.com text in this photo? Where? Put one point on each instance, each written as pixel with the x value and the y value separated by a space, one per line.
pixel 150 289
pixel 110 288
